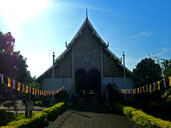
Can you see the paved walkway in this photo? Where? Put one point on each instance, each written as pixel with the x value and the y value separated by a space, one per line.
pixel 91 117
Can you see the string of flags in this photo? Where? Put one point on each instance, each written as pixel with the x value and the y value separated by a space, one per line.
pixel 7 81
pixel 147 88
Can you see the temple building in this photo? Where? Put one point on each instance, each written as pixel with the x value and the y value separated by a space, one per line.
pixel 86 64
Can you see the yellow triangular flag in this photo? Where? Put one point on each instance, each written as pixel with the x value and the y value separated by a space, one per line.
pixel 133 91
pixel 158 85
pixel 138 90
pixel 9 82
pixel 150 87
pixel 19 86
pixel 26 89
pixel 143 90
pixel 169 80
pixel 129 91
pixel 32 91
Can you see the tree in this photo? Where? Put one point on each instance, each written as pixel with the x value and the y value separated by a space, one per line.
pixel 165 64
pixel 151 70
pixel 166 67
pixel 12 64
pixel 147 71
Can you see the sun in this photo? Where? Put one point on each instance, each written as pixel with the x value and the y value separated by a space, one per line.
pixel 15 12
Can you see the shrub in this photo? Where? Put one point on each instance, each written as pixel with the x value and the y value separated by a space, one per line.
pixel 141 118
pixel 38 103
pixel 7 127
pixel 55 110
pixel 37 120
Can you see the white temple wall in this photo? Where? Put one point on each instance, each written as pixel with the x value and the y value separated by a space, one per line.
pixel 50 84
pixel 119 82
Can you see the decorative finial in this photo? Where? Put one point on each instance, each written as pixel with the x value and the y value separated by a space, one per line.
pixel 123 53
pixel 86 13
pixel 108 44
pixel 66 44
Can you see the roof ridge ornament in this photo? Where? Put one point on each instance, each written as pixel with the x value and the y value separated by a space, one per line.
pixel 86 13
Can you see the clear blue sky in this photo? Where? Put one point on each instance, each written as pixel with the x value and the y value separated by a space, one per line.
pixel 40 27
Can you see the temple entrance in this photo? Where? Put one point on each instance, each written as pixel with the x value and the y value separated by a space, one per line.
pixel 88 83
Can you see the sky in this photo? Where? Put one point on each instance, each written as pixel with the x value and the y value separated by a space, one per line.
pixel 138 27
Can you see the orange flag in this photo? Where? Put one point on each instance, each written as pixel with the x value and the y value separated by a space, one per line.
pixel 150 87
pixel 138 90
pixel 19 86
pixel 38 92
pixel 9 82
pixel 169 80
pixel 158 85
pixel 26 89
pixel 143 89
pixel 129 91
pixel 133 91
pixel 32 91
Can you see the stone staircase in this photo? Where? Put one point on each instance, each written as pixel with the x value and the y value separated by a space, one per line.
pixel 87 100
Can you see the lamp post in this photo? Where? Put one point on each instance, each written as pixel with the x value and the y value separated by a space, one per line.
pixel 53 56
pixel 124 70
pixel 53 76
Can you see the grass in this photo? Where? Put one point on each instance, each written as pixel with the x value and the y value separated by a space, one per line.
pixel 6 117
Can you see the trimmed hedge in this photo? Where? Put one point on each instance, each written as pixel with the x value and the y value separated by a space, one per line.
pixel 55 110
pixel 7 127
pixel 37 120
pixel 141 118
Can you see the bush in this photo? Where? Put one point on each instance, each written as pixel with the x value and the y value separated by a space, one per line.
pixel 141 118
pixel 6 117
pixel 55 110
pixel 159 107
pixel 7 127
pixel 37 120
pixel 8 104
pixel 38 103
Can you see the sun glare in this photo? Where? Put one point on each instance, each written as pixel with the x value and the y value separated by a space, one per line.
pixel 15 12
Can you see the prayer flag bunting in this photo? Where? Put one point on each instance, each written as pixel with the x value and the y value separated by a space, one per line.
pixel 143 89
pixel 146 88
pixel 164 82
pixel 9 82
pixel 154 86
pixel 169 80
pixel 23 88
pixel 158 85
pixel 40 93
pixel 133 91
pixel 150 88
pixel 32 91
pixel 27 89
pixel 129 91
pixel 13 84
pixel 2 78
pixel 19 86
pixel 138 90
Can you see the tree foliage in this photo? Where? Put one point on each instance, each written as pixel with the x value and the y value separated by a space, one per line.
pixel 12 63
pixel 147 71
